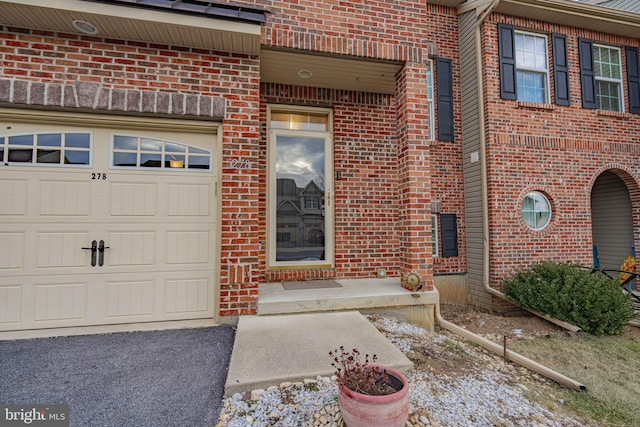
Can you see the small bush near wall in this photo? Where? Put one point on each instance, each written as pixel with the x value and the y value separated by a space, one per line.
pixel 567 292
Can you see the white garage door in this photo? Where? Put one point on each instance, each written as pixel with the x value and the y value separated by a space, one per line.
pixel 103 225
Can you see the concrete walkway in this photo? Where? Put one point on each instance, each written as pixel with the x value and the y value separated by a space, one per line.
pixel 270 350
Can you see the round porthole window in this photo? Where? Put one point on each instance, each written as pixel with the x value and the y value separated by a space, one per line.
pixel 536 210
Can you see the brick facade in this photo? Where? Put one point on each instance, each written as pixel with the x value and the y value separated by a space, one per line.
pixel 391 173
pixel 558 150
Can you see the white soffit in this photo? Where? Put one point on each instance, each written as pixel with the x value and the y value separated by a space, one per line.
pixel 129 23
pixel 331 72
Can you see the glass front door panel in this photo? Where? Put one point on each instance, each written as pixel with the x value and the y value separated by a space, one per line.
pixel 300 207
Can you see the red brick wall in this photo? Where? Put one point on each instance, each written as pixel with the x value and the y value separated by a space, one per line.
pixel 67 58
pixel 557 150
pixel 366 138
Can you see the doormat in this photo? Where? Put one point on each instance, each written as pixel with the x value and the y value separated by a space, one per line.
pixel 310 284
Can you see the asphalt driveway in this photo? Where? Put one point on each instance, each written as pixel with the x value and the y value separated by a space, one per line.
pixel 157 378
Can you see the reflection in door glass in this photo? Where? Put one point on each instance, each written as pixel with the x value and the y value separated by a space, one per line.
pixel 300 182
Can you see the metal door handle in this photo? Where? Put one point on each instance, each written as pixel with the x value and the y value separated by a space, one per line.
pixel 94 250
pixel 101 249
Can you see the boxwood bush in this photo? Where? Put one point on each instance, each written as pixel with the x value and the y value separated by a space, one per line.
pixel 568 292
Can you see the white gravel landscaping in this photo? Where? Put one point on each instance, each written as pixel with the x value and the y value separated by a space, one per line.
pixel 484 392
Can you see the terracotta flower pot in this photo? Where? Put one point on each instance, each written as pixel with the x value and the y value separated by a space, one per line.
pixel 361 410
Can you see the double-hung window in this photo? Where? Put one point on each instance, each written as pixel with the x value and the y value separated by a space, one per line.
pixel 608 77
pixel 532 69
pixel 524 65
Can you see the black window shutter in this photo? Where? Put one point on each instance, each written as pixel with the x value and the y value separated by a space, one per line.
pixel 560 69
pixel 633 79
pixel 507 62
pixel 587 73
pixel 444 76
pixel 449 233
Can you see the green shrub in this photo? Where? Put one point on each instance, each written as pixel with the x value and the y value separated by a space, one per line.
pixel 567 292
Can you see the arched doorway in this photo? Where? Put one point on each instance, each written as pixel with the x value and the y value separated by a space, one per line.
pixel 611 221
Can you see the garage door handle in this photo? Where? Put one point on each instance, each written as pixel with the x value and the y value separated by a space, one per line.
pixel 94 250
pixel 101 249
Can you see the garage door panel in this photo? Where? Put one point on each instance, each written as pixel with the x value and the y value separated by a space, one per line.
pixel 130 298
pixel 62 250
pixel 11 251
pixel 187 295
pixel 13 193
pixel 67 198
pixel 131 248
pixel 189 200
pixel 188 247
pixel 10 304
pixel 62 301
pixel 133 199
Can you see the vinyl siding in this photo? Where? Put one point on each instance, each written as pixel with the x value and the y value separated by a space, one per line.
pixel 472 170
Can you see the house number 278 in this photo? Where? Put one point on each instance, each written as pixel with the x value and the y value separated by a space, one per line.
pixel 240 163
pixel 98 175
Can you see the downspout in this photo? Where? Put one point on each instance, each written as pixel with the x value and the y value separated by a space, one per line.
pixel 508 354
pixel 489 5
pixel 481 16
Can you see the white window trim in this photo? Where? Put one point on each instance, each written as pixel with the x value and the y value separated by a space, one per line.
pixel 162 152
pixel 435 235
pixel 272 197
pixel 430 102
pixel 548 202
pixel 608 79
pixel 4 142
pixel 547 79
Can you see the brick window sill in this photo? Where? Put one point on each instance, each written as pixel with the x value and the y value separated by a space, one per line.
pixel 616 114
pixel 535 106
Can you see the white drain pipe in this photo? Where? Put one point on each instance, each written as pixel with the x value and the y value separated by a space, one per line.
pixel 508 354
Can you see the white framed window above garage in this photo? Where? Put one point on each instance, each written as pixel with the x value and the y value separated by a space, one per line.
pixel 134 151
pixel 51 148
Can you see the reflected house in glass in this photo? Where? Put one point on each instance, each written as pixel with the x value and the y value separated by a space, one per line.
pixel 300 213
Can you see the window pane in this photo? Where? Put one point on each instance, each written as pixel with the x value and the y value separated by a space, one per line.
pixel 318 122
pixel 50 140
pixel 174 161
pixel 2 160
pixel 608 95
pixel 72 157
pixel 531 87
pixel 150 160
pixel 199 162
pixel 193 150
pixel 21 155
pixel 125 159
pixel 77 140
pixel 125 142
pixel 279 120
pixel 48 156
pixel 147 144
pixel 174 148
pixel 21 140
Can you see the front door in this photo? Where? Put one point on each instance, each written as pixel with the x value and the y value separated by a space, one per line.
pixel 300 189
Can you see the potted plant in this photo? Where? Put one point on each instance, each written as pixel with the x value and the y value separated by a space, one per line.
pixel 369 395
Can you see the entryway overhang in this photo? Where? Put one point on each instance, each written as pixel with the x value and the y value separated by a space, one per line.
pixel 195 24
pixel 300 68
